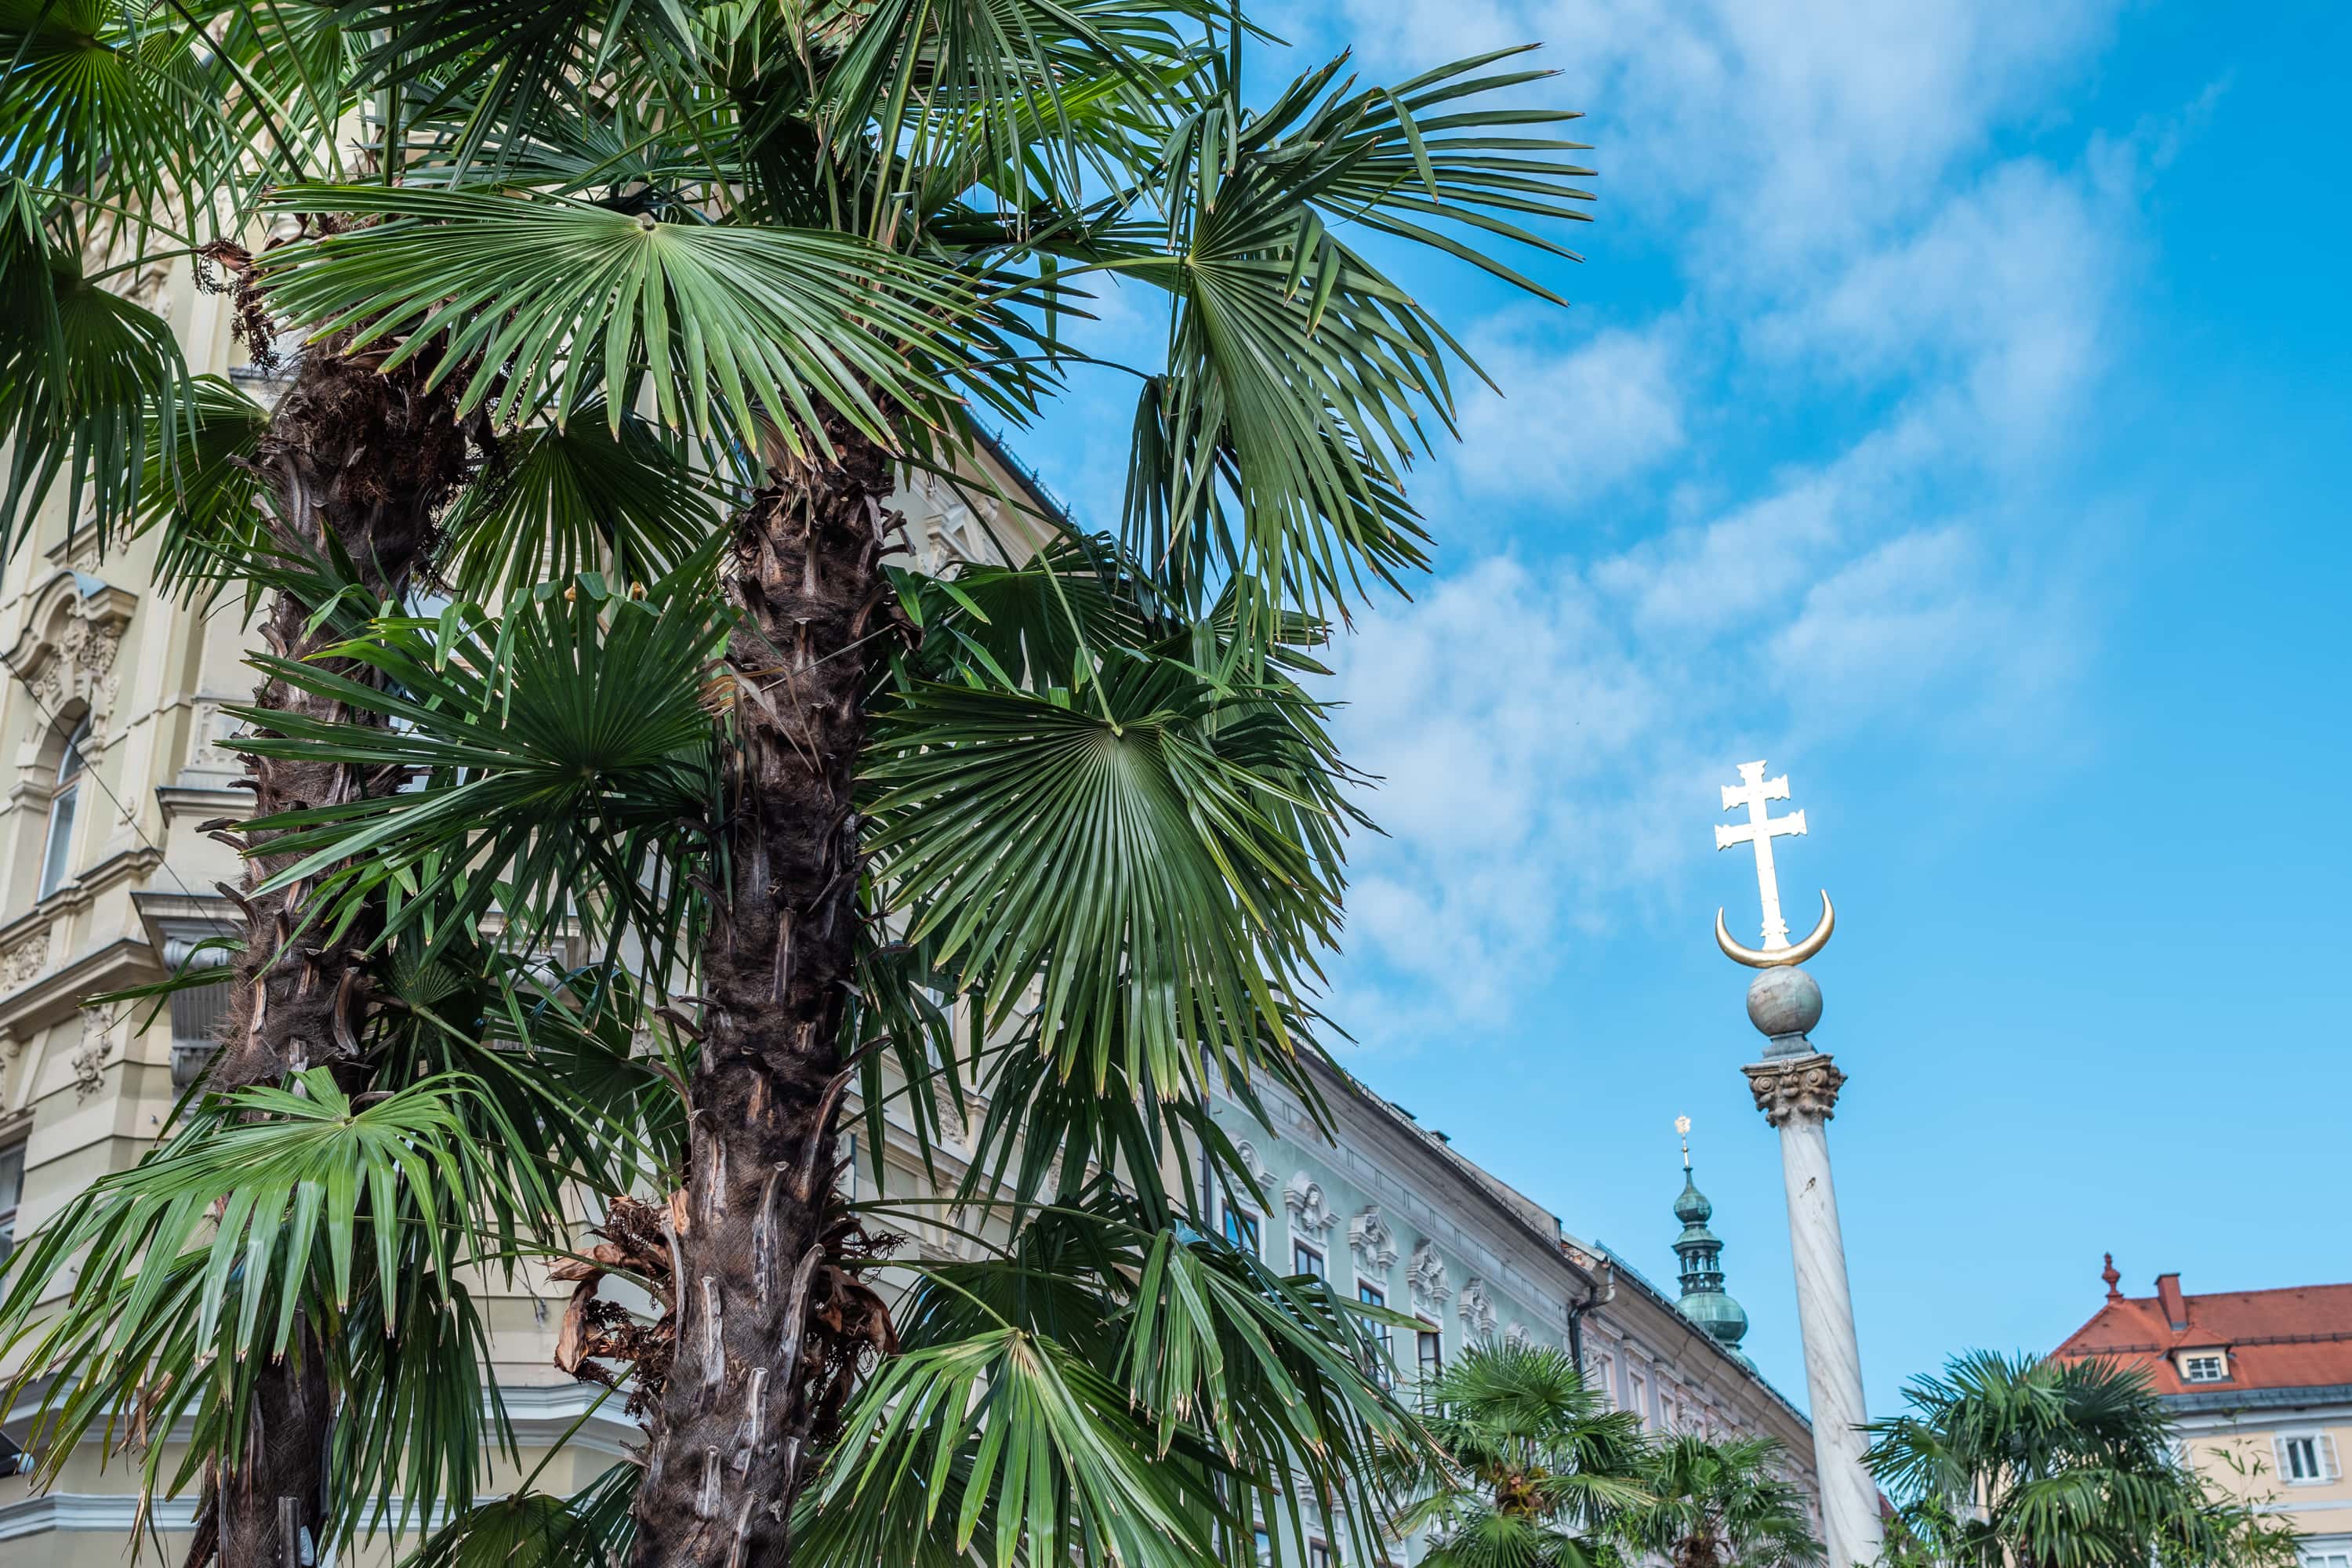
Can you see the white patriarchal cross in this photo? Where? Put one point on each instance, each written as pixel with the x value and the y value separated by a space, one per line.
pixel 1759 829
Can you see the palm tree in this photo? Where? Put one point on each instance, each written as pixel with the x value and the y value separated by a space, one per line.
pixel 1722 1505
pixel 1535 1470
pixel 2054 1464
pixel 699 282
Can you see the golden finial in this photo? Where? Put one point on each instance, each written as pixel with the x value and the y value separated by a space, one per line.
pixel 1682 1128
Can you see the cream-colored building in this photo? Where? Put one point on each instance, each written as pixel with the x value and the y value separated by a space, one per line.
pixel 2261 1383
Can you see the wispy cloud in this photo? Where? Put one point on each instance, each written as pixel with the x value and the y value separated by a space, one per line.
pixel 1929 320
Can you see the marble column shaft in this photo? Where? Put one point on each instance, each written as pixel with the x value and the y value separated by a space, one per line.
pixel 1797 1095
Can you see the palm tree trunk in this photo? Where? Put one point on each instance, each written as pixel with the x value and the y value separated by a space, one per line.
pixel 757 1373
pixel 366 461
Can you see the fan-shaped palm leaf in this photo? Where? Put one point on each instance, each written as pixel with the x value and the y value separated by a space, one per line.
pixel 88 379
pixel 544 301
pixel 559 750
pixel 1171 806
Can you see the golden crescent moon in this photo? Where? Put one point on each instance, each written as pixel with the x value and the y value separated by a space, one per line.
pixel 1777 957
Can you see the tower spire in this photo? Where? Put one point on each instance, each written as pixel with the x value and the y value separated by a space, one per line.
pixel 1704 1300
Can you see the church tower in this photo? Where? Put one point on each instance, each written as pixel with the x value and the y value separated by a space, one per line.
pixel 1704 1300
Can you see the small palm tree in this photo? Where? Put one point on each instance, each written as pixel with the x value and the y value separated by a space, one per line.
pixel 1536 1471
pixel 1722 1505
pixel 2021 1462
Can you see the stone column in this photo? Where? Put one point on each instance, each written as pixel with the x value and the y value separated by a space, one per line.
pixel 1796 1088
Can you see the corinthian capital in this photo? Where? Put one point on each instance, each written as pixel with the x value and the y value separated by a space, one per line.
pixel 1804 1087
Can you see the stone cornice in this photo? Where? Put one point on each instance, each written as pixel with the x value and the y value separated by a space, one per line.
pixel 56 996
pixel 1799 1087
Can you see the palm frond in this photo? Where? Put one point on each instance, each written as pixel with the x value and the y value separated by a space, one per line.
pixel 268 1208
pixel 541 302
pixel 205 503
pixel 90 382
pixel 530 1529
pixel 1199 819
pixel 95 97
pixel 566 757
pixel 628 502
pixel 1298 372
pixel 508 64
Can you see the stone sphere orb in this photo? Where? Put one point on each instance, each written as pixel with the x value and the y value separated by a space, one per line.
pixel 1784 1002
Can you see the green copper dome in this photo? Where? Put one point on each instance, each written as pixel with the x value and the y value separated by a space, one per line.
pixel 1704 1300
pixel 1692 1207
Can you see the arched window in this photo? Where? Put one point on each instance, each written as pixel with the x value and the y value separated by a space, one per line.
pixel 63 803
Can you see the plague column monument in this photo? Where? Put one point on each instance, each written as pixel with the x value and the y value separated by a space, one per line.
pixel 1796 1088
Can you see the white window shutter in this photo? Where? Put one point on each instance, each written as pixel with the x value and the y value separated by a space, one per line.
pixel 2278 1453
pixel 2328 1458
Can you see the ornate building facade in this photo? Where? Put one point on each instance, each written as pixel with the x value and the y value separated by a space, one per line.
pixel 1392 1213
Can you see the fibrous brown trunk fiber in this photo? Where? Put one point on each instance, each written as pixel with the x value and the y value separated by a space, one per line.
pixel 365 460
pixel 760 1359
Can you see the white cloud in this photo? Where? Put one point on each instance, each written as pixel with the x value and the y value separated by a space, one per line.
pixel 1799 131
pixel 1549 733
pixel 1921 323
pixel 1569 423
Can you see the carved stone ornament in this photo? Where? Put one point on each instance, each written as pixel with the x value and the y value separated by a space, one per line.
pixel 1310 1211
pixel 89 1063
pixel 1517 1337
pixel 73 633
pixel 1803 1087
pixel 1477 1310
pixel 1375 1248
pixel 1426 1275
pixel 22 964
pixel 1253 1163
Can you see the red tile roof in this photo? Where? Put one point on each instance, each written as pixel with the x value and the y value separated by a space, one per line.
pixel 2296 1338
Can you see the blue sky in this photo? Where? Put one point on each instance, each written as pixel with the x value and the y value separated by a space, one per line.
pixel 1954 412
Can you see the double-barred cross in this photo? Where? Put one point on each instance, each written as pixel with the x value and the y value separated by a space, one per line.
pixel 1753 791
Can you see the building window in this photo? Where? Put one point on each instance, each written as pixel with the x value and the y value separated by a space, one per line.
pixel 63 803
pixel 1318 1555
pixel 1305 1259
pixel 1262 1544
pixel 1637 1396
pixel 1383 1341
pixel 2304 1459
pixel 1429 1345
pixel 1241 1229
pixel 12 1188
pixel 2212 1368
pixel 2326 1559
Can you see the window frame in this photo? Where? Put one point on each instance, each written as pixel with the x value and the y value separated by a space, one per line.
pixel 12 1153
pixel 1238 1220
pixel 65 806
pixel 2319 1445
pixel 1302 1250
pixel 2192 1367
pixel 1384 1366
pixel 1428 1339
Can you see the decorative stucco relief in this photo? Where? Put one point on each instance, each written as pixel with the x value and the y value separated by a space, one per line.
pixel 89 1063
pixel 22 963
pixel 73 635
pixel 1310 1212
pixel 1478 1315
pixel 1426 1275
pixel 1254 1164
pixel 1375 1247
